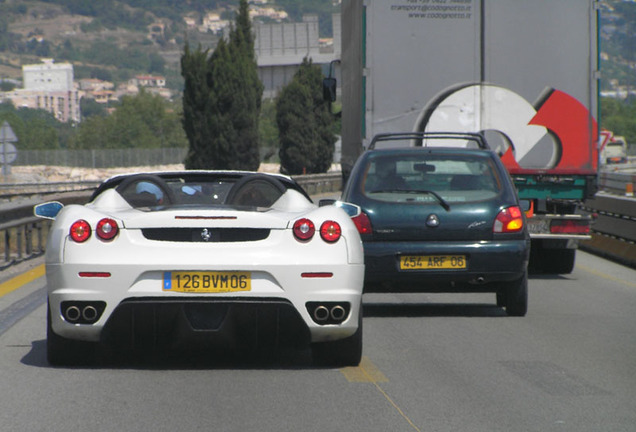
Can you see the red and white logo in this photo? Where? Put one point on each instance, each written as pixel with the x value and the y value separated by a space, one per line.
pixel 558 134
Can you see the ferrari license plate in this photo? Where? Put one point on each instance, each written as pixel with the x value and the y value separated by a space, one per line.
pixel 207 281
pixel 432 262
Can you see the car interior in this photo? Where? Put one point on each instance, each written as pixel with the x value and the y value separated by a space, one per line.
pixel 390 179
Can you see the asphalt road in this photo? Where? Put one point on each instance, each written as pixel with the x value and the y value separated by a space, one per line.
pixel 431 363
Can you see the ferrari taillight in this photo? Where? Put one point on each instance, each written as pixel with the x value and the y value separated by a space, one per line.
pixel 107 229
pixel 80 231
pixel 362 223
pixel 509 220
pixel 330 231
pixel 304 229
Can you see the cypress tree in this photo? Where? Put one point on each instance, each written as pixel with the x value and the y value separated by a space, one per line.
pixel 196 107
pixel 247 91
pixel 224 133
pixel 296 131
pixel 305 123
pixel 222 101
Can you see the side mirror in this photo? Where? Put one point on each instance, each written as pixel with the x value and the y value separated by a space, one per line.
pixel 351 209
pixel 48 210
pixel 329 89
pixel 326 202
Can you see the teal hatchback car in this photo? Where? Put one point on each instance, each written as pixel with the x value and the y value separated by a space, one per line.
pixel 438 212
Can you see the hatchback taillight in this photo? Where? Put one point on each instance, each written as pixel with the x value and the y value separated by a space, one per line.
pixel 107 229
pixel 362 223
pixel 509 220
pixel 80 231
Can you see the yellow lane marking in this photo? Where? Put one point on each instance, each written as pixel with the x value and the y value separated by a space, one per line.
pixel 23 279
pixel 368 372
pixel 365 372
pixel 606 276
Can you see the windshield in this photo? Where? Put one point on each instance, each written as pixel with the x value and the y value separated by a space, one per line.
pixel 430 178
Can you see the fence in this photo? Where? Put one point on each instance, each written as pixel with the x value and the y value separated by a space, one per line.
pixel 106 158
pixel 23 236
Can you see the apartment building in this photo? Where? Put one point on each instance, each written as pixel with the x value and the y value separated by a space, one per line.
pixel 48 86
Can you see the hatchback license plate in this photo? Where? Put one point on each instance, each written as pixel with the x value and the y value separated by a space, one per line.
pixel 432 262
pixel 206 281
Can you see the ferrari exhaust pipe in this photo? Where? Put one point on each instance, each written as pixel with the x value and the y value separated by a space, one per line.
pixel 321 313
pixel 89 313
pixel 338 313
pixel 72 313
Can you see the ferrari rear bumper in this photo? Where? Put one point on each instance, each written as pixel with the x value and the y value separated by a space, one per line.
pixel 130 304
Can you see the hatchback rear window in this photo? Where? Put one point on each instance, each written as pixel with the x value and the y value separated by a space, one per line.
pixel 417 178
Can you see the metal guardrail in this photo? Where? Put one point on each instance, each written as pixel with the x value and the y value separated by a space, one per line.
pixel 19 237
pixel 25 235
pixel 617 182
pixel 614 230
pixel 9 192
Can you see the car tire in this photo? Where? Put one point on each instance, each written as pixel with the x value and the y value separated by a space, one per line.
pixel 61 351
pixel 343 352
pixel 516 297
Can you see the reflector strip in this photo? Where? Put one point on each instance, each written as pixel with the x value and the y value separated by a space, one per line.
pixel 569 227
pixel 316 275
pixel 94 274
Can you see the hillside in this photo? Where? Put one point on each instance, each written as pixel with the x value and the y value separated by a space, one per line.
pixel 117 39
pixel 113 48
pixel 618 45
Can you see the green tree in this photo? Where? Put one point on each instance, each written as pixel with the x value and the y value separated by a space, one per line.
pixel 35 129
pixel 246 91
pixel 305 123
pixel 4 32
pixel 89 108
pixel 618 116
pixel 7 86
pixel 268 131
pixel 141 121
pixel 222 101
pixel 197 104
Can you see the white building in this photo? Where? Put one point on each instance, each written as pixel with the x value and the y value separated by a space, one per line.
pixel 50 87
pixel 280 48
pixel 48 76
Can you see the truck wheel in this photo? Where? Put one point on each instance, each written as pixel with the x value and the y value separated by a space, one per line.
pixel 516 297
pixel 61 351
pixel 343 352
pixel 558 261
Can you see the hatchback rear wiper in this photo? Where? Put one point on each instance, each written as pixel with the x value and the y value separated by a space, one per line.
pixel 439 199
